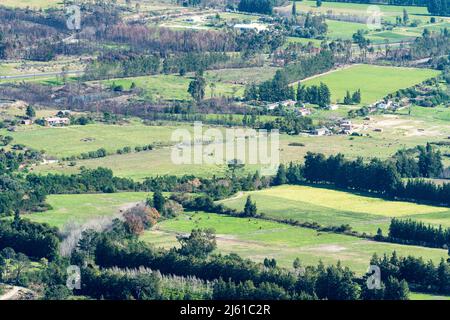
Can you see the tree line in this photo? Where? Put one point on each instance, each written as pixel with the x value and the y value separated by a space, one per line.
pixel 416 232
pixel 377 176
pixel 278 88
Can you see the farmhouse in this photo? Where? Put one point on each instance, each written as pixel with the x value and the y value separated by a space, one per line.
pixel 303 112
pixel 286 103
pixel 346 126
pixel 26 122
pixel 321 132
pixel 333 107
pixel 250 27
pixel 55 121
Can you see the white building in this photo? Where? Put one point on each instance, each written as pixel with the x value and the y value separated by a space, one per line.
pixel 56 121
pixel 250 26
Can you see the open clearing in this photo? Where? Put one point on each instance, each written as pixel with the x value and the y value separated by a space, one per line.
pixel 76 139
pixel 258 239
pixel 375 82
pixel 398 131
pixel 173 87
pixel 80 208
pixel 332 208
pixel 33 4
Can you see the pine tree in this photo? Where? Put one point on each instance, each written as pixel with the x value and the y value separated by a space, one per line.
pixel 405 17
pixel 356 97
pixel 347 98
pixel 159 201
pixel 281 178
pixel 250 209
pixel 30 112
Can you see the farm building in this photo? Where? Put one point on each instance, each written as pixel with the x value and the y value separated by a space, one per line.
pixel 26 122
pixel 346 126
pixel 55 121
pixel 333 107
pixel 321 132
pixel 303 112
pixel 286 103
pixel 250 27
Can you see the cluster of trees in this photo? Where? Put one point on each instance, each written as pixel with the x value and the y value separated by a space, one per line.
pixel 191 61
pixel 13 267
pixel 420 161
pixel 15 192
pixel 374 176
pixel 33 239
pixel 423 190
pixel 278 88
pixel 355 98
pixel 309 26
pixel 320 95
pixel 105 284
pixel 256 6
pixel 309 66
pixel 416 232
pixel 290 124
pixel 429 45
pixel 89 180
pixel 420 275
pixel 122 64
pixel 439 7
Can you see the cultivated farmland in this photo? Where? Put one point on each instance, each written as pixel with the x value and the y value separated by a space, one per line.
pixel 375 82
pixel 258 239
pixel 332 208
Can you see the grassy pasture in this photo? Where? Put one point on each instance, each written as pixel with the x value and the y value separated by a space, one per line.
pixel 257 239
pixel 172 87
pixel 388 12
pixel 73 140
pixel 375 82
pixel 399 131
pixel 80 208
pixel 34 4
pixel 330 207
pixel 240 75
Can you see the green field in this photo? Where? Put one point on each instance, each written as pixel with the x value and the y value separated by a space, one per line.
pixel 240 75
pixel 375 82
pixel 73 140
pixel 388 12
pixel 399 131
pixel 332 208
pixel 172 87
pixel 80 208
pixel 426 296
pixel 34 4
pixel 257 239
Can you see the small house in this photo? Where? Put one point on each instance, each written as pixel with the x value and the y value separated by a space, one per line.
pixel 26 122
pixel 346 126
pixel 303 112
pixel 56 121
pixel 333 107
pixel 250 27
pixel 321 132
